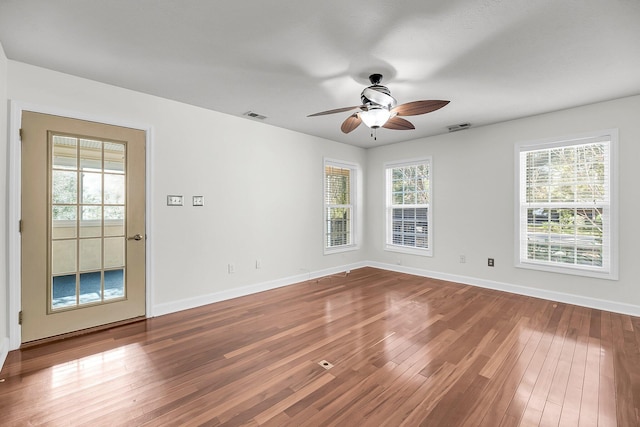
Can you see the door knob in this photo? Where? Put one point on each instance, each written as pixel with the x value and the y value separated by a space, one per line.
pixel 136 237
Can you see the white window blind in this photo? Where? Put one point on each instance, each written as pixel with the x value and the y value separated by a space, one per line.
pixel 339 205
pixel 566 210
pixel 408 207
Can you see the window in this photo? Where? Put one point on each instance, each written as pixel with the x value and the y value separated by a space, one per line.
pixel 408 207
pixel 566 205
pixel 339 211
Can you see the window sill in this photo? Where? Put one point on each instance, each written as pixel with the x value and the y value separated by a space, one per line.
pixel 573 271
pixel 340 249
pixel 406 250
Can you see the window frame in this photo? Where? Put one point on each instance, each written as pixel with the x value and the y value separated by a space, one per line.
pixel 388 214
pixel 353 173
pixel 609 269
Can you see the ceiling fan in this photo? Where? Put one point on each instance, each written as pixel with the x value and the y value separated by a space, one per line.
pixel 380 109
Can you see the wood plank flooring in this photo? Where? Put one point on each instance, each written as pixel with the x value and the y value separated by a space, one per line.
pixel 405 350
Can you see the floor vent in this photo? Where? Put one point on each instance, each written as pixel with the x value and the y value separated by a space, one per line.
pixel 326 365
pixel 254 115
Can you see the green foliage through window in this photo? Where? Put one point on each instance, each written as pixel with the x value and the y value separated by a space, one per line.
pixel 565 204
pixel 408 202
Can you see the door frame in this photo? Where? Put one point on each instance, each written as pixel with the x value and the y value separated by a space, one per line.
pixel 14 213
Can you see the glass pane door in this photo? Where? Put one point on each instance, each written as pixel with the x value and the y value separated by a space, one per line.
pixel 87 227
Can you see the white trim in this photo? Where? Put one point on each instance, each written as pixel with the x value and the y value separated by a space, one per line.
pixel 13 234
pixel 15 120
pixel 407 250
pixel 561 141
pixel 187 303
pixel 149 297
pixel 339 249
pixel 4 350
pixel 599 304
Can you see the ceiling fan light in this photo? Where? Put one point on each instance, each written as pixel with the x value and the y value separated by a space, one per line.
pixel 375 117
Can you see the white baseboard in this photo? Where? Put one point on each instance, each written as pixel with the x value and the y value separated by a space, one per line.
pixel 616 307
pixel 4 350
pixel 187 303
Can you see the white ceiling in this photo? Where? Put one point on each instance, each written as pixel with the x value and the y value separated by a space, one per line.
pixel 495 60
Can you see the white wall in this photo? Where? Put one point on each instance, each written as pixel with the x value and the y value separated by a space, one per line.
pixel 262 187
pixel 263 193
pixel 4 328
pixel 473 205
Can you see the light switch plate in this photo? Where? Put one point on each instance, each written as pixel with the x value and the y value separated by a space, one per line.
pixel 174 200
pixel 198 200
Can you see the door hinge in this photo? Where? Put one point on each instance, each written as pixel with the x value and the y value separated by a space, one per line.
pixel 20 318
pixel 20 134
pixel 20 226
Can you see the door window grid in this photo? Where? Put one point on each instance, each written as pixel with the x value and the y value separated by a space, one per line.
pixel 87 208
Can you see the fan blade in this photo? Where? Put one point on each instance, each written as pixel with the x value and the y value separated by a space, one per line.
pixel 397 123
pixel 418 107
pixel 379 97
pixel 352 122
pixel 337 110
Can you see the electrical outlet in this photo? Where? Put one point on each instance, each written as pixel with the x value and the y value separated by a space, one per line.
pixel 232 268
pixel 490 262
pixel 463 259
pixel 258 263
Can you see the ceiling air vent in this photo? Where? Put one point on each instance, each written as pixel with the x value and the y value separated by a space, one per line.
pixel 254 115
pixel 461 126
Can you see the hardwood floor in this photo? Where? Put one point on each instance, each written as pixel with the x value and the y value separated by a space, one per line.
pixel 405 350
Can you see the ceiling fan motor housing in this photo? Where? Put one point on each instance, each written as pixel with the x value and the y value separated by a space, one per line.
pixel 378 88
